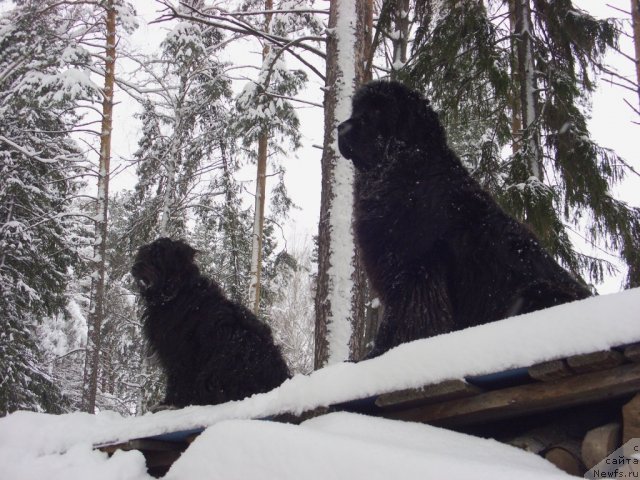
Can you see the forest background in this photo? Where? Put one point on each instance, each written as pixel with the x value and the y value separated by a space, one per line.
pixel 124 121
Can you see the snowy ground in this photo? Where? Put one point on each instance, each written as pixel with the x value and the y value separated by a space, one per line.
pixel 339 445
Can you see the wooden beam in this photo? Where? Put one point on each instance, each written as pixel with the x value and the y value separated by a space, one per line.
pixel 527 399
pixel 447 390
pixel 159 455
pixel 592 362
pixel 552 370
pixel 144 444
pixel 632 352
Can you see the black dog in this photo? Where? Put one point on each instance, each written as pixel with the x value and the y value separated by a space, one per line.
pixel 211 349
pixel 439 251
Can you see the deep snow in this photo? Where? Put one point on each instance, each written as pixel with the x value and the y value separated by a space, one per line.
pixel 39 446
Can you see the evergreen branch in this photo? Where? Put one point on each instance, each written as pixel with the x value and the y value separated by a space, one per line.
pixel 237 25
pixel 593 245
pixel 384 15
pixel 59 216
pixel 270 12
pixel 618 9
pixel 635 109
pixel 626 87
pixel 33 155
pixel 628 57
pixel 293 43
pixel 293 99
pixel 60 357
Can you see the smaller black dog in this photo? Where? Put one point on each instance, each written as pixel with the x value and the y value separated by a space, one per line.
pixel 211 349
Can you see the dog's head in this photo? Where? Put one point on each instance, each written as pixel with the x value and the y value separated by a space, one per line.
pixel 386 113
pixel 163 268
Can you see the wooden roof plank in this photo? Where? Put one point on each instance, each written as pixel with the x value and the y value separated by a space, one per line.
pixel 591 362
pixel 527 399
pixel 443 391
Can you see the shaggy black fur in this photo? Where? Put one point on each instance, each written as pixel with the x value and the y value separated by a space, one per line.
pixel 211 349
pixel 439 251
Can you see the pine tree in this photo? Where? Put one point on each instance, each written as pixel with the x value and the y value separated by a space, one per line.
pixel 97 311
pixel 266 113
pixel 42 78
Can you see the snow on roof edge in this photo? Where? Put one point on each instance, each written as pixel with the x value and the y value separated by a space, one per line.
pixel 589 325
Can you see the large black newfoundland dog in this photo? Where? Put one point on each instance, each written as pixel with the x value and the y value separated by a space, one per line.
pixel 439 251
pixel 211 349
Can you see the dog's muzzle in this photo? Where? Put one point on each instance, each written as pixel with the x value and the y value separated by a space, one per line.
pixel 143 280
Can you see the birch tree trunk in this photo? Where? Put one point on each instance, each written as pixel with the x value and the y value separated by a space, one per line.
pixel 261 186
pixel 339 301
pixel 96 315
pixel 528 86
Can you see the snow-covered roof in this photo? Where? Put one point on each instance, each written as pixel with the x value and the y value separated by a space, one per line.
pixel 350 446
pixel 33 444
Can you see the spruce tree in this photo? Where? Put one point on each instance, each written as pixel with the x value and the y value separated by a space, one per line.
pixel 43 78
pixel 465 57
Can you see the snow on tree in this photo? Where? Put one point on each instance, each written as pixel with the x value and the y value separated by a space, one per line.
pixel 183 125
pixel 291 313
pixel 43 77
pixel 339 301
pixel 265 111
pixel 264 106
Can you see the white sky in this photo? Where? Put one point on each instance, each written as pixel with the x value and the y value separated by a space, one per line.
pixel 611 125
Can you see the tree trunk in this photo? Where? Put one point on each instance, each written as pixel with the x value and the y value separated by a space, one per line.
pixel 170 184
pixel 528 86
pixel 261 182
pixel 96 315
pixel 339 299
pixel 401 38
pixel 516 109
pixel 368 47
pixel 258 224
pixel 167 209
pixel 635 20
